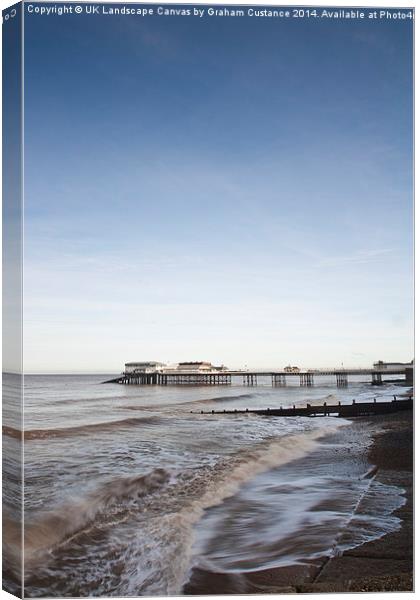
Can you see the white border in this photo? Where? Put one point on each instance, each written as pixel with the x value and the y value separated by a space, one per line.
pixel 340 4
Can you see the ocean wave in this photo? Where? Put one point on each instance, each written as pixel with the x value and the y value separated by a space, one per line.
pixel 85 400
pixel 223 399
pixel 41 434
pixel 57 526
pixel 174 405
pixel 188 500
pixel 330 399
pixel 157 562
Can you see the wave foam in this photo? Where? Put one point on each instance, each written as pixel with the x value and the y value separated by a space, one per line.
pixel 57 526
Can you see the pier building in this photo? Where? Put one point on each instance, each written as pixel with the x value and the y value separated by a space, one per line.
pixel 144 367
pixel 391 366
pixel 195 366
pixel 290 369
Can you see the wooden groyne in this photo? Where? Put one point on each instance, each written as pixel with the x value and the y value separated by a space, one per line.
pixel 356 409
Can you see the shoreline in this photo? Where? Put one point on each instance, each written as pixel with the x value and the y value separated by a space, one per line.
pixel 384 564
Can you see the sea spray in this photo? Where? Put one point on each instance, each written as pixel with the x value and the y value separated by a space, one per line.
pixel 57 526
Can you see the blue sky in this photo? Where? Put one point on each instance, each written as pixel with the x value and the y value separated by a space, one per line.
pixel 237 190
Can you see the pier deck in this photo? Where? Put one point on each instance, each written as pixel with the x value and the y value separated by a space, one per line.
pixel 251 378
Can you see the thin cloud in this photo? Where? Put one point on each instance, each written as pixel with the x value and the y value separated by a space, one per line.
pixel 358 258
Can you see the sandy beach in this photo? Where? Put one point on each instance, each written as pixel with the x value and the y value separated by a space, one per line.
pixel 385 564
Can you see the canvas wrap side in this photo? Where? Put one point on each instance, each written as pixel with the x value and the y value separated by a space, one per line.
pixel 12 367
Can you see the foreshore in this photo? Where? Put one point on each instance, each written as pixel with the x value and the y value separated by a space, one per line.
pixel 385 564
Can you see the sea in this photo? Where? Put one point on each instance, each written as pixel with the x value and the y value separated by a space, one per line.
pixel 129 488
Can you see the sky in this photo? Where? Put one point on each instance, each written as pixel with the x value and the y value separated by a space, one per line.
pixel 232 190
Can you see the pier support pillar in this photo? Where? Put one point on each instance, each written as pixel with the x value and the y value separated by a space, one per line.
pixel 250 379
pixel 342 379
pixel 409 376
pixel 306 379
pixel 377 379
pixel 278 380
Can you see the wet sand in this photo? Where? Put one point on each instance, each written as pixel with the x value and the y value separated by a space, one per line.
pixel 385 564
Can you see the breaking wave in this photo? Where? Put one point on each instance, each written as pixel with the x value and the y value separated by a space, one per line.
pixel 57 526
pixel 173 531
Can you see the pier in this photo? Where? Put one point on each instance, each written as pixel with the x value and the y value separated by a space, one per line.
pixel 173 378
pixel 356 409
pixel 306 378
